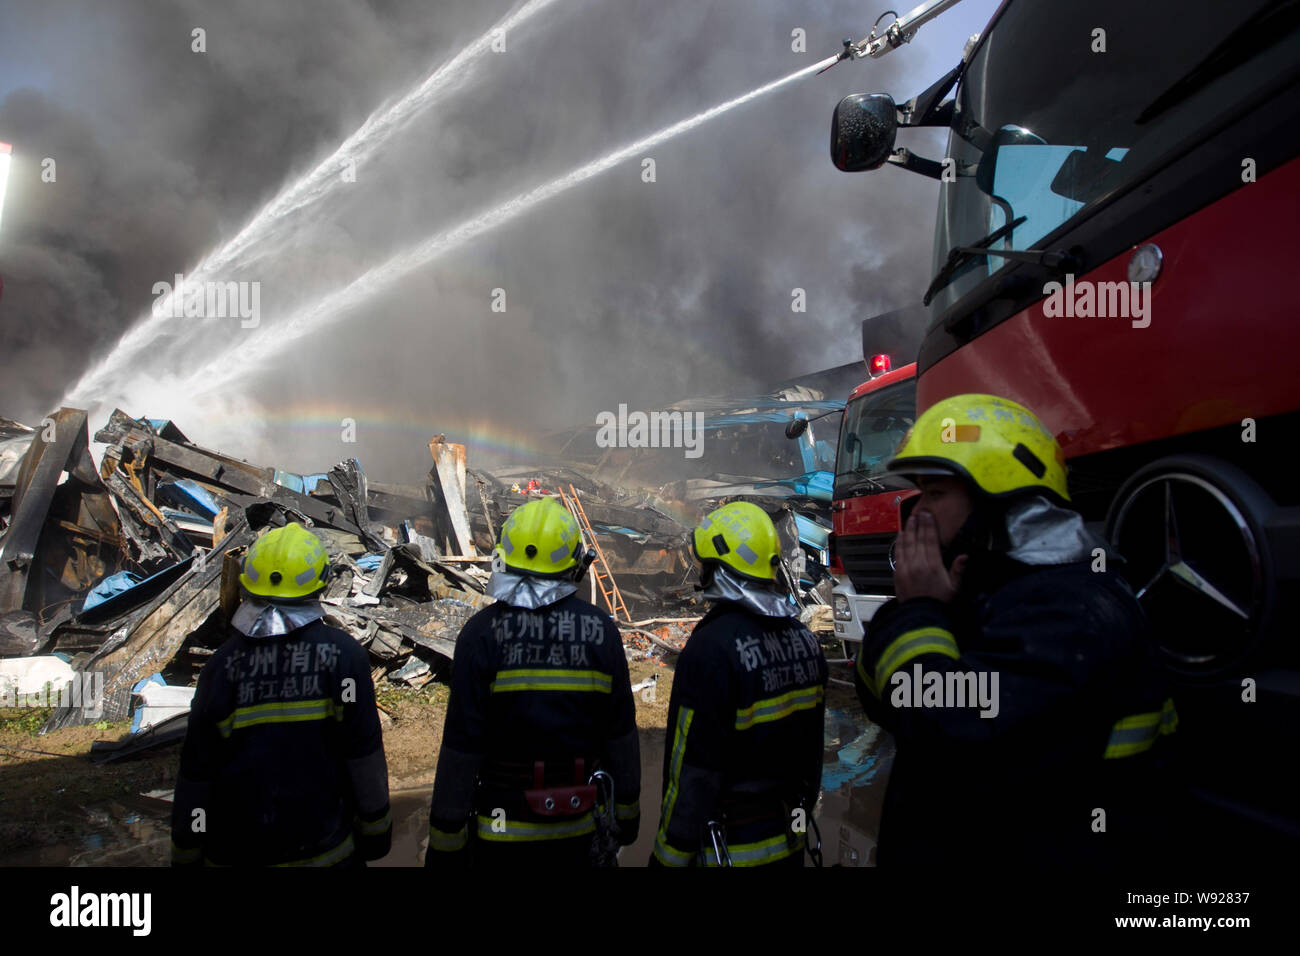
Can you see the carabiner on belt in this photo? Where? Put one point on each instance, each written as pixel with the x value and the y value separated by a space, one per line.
pixel 604 796
pixel 718 834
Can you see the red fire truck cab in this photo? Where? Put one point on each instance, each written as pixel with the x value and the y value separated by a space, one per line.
pixel 1115 249
pixel 864 509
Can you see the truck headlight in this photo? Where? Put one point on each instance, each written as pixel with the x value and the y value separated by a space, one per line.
pixel 840 605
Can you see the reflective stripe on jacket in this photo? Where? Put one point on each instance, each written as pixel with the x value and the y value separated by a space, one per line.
pixel 1024 713
pixel 547 685
pixel 283 761
pixel 744 731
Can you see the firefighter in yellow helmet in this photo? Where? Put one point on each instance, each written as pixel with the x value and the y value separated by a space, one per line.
pixel 283 754
pixel 1012 667
pixel 743 755
pixel 540 760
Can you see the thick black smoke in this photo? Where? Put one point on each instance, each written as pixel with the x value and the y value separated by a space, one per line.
pixel 620 291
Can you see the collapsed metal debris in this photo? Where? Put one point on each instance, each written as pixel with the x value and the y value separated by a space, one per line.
pixel 58 534
pixel 754 455
pixel 131 570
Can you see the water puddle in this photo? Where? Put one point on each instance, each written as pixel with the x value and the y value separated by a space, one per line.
pixel 854 773
pixel 135 831
pixel 410 827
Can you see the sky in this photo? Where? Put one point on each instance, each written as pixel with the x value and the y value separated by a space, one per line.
pixel 616 291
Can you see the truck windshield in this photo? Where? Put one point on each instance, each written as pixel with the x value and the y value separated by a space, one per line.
pixel 874 425
pixel 1064 103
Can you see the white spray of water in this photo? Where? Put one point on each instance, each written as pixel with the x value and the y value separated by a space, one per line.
pixel 247 356
pixel 310 188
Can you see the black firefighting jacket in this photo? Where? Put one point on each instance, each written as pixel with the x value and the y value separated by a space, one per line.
pixel 539 700
pixel 283 761
pixel 1065 767
pixel 744 740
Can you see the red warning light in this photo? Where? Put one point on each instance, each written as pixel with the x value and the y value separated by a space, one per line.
pixel 879 364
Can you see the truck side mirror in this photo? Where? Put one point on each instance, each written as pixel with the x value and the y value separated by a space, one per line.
pixel 863 129
pixel 796 427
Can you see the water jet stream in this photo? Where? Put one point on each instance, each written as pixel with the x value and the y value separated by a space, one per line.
pixel 311 187
pixel 272 339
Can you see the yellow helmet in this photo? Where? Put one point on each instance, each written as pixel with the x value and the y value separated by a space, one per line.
pixel 741 536
pixel 1000 447
pixel 285 563
pixel 540 538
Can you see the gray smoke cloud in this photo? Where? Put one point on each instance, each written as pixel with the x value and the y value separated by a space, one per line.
pixel 620 291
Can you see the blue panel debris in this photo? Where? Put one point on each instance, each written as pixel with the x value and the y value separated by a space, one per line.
pixel 857 762
pixel 123 593
pixel 776 412
pixel 812 533
pixel 118 583
pixel 191 496
pixel 818 485
pixel 370 561
pixel 303 484
pixel 309 482
pixel 288 479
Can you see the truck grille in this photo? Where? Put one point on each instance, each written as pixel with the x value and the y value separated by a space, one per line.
pixel 866 561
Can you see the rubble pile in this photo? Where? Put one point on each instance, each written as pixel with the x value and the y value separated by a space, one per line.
pixel 130 570
pixel 776 450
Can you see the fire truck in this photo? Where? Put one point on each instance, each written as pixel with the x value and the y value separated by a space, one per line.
pixel 865 499
pixel 1114 249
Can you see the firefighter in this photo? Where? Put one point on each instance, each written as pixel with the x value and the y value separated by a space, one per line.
pixel 283 762
pixel 540 702
pixel 1013 666
pixel 743 752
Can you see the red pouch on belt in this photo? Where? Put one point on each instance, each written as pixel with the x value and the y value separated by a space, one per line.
pixel 560 801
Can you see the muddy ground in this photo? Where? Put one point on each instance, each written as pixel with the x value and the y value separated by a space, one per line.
pixel 59 809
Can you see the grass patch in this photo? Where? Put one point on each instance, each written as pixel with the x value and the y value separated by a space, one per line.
pixel 24 720
pixel 394 696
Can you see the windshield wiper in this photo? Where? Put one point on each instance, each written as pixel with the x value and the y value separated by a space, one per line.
pixel 865 476
pixel 960 255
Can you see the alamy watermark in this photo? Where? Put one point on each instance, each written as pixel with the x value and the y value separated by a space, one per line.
pixel 1101 300
pixel 74 908
pixel 85 692
pixel 651 430
pixel 948 689
pixel 189 299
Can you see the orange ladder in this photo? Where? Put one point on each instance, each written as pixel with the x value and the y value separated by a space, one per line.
pixel 600 571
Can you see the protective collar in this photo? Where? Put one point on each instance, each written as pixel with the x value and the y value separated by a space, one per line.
pixel 1041 532
pixel 528 591
pixel 728 586
pixel 258 618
